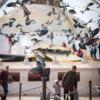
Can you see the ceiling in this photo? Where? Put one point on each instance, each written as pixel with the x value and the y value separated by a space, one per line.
pixel 2 2
pixel 78 5
pixel 89 12
pixel 84 10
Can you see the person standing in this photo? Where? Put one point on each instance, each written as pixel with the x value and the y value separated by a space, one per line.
pixel 93 51
pixel 69 83
pixel 99 49
pixel 57 88
pixel 4 82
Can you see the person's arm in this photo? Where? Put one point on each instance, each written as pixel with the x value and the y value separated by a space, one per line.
pixel 75 83
pixel 63 78
pixel 10 78
pixel 1 77
pixel 54 85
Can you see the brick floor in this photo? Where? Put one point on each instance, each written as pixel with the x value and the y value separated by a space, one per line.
pixel 38 98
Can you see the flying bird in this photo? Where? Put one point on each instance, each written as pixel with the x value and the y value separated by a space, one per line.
pixel 90 41
pixel 87 7
pixel 72 11
pixel 43 32
pixel 51 37
pixel 97 2
pixel 78 24
pixel 18 25
pixel 90 4
pixel 11 39
pixel 25 10
pixel 25 1
pixel 36 41
pixel 12 4
pixel 5 24
pixel 98 23
pixel 88 22
pixel 23 32
pixel 14 41
pixel 95 32
pixel 53 11
pixel 10 24
pixel 59 16
pixel 28 21
pixel 86 36
pixel 12 19
pixel 64 7
pixel 49 13
pixel 75 21
pixel 1 33
pixel 49 22
pixel 27 47
pixel 5 13
pixel 64 30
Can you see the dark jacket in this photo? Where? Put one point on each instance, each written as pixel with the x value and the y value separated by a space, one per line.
pixel 69 80
pixel 4 76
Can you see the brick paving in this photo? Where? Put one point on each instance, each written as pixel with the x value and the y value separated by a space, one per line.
pixel 38 98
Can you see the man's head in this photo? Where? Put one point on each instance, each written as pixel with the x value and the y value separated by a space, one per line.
pixel 74 68
pixel 7 68
pixel 57 82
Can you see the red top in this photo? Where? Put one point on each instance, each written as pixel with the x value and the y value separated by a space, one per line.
pixel 4 76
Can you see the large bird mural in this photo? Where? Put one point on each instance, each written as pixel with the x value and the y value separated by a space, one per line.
pixel 25 27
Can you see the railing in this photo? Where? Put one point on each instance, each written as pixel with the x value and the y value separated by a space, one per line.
pixel 48 94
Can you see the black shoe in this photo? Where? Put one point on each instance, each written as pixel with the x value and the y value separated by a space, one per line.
pixel 3 97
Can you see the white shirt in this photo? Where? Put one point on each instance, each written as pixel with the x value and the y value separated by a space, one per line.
pixel 57 88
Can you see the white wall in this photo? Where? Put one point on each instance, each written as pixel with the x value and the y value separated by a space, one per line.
pixel 86 75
